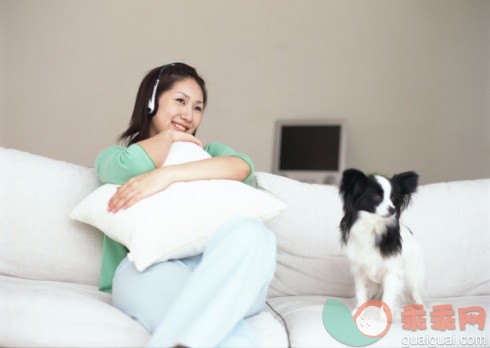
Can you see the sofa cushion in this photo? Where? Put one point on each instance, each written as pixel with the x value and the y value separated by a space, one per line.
pixel 56 314
pixel 38 240
pixel 450 220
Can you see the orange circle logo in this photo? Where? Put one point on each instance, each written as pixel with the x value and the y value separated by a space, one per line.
pixel 373 318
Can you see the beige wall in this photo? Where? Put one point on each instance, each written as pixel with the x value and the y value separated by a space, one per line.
pixel 411 77
pixel 2 68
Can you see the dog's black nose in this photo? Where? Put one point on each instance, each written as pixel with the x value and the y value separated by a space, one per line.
pixel 391 210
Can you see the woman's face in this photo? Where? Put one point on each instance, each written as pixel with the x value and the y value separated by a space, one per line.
pixel 179 108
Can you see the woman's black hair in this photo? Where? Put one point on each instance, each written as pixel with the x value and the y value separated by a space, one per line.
pixel 139 125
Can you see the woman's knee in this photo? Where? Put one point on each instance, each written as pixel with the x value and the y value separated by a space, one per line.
pixel 247 232
pixel 247 238
pixel 146 296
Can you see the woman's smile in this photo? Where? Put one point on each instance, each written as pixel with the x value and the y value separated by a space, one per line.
pixel 180 127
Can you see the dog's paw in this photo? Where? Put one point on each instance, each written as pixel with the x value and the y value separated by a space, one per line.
pixel 378 314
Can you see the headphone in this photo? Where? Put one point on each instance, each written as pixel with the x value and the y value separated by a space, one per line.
pixel 151 110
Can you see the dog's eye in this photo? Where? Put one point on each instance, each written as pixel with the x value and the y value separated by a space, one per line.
pixel 377 198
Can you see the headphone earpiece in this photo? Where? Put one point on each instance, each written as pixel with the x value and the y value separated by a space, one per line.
pixel 152 102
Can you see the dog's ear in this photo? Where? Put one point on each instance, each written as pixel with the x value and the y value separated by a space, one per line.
pixel 352 183
pixel 405 183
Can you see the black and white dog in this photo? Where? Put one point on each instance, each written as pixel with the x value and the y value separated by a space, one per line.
pixel 385 259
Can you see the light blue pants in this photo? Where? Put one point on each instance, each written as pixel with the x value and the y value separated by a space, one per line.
pixel 202 301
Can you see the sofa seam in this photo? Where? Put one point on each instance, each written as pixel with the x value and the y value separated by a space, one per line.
pixel 283 321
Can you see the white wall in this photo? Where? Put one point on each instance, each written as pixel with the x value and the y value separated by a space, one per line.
pixel 411 77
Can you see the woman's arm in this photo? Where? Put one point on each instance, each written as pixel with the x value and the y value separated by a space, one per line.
pixel 145 185
pixel 118 164
pixel 158 146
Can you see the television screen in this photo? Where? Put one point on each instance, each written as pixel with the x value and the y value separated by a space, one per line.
pixel 310 150
pixel 308 147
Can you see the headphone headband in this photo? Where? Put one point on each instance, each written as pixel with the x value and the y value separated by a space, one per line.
pixel 151 110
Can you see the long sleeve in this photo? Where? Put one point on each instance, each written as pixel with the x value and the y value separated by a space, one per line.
pixel 218 149
pixel 118 164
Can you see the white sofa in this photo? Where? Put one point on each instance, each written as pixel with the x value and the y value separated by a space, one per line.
pixel 49 264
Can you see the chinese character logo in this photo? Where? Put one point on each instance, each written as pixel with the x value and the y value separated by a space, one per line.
pixel 442 317
pixel 413 318
pixel 471 315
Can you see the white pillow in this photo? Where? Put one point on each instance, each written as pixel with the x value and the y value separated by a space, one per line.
pixel 178 221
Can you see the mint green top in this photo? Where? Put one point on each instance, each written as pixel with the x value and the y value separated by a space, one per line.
pixel 118 164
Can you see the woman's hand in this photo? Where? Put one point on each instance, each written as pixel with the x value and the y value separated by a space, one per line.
pixel 139 187
pixel 181 136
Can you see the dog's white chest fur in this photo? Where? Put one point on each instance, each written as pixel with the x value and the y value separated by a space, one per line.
pixel 388 276
pixel 364 256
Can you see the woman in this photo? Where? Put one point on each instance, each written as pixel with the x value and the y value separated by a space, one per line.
pixel 201 300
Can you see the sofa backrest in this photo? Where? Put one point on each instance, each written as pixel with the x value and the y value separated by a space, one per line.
pixel 310 260
pixel 451 221
pixel 38 240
